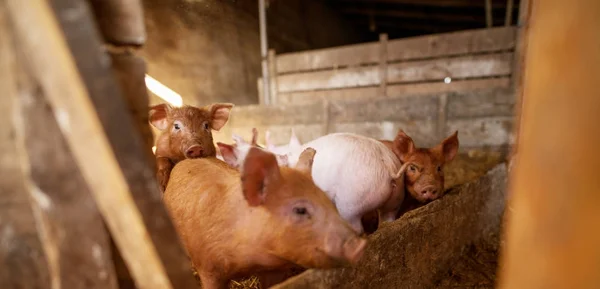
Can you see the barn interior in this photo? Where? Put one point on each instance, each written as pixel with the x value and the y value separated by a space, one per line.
pixel 82 205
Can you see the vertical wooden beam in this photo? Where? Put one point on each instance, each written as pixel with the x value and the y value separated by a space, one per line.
pixel 518 70
pixel 127 143
pixel 273 76
pixel 259 88
pixel 442 115
pixel 50 61
pixel 488 13
pixel 552 234
pixel 509 11
pixel 22 259
pixel 262 23
pixel 383 59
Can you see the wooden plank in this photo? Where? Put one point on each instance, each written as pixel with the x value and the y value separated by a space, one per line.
pixel 488 14
pixel 354 93
pixel 489 65
pixel 50 63
pixel 69 223
pixel 383 40
pixel 273 77
pixel 130 151
pixel 509 11
pixel 518 75
pixel 22 257
pixel 339 78
pixel 552 237
pixel 449 44
pixel 454 86
pixel 350 55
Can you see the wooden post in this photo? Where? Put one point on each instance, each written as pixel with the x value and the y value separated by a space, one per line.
pixel 383 41
pixel 488 13
pixel 553 229
pixel 259 88
pixel 518 70
pixel 442 115
pixel 509 11
pixel 262 23
pixel 273 76
pixel 50 62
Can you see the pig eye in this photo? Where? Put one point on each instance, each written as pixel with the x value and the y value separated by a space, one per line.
pixel 206 126
pixel 176 126
pixel 301 211
pixel 439 168
pixel 412 168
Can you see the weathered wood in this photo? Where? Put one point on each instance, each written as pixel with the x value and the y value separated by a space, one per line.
pixel 350 55
pixel 50 62
pixel 383 40
pixel 450 243
pixel 130 71
pixel 273 78
pixel 452 44
pixel 489 22
pixel 552 232
pixel 422 47
pixel 518 74
pixel 22 257
pixel 120 22
pixel 489 65
pixel 358 93
pixel 69 222
pixel 509 11
pixel 127 143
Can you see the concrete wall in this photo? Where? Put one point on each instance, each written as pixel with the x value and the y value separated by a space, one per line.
pixel 484 118
pixel 208 51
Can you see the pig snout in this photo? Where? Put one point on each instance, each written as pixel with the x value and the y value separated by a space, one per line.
pixel 348 250
pixel 193 152
pixel 430 192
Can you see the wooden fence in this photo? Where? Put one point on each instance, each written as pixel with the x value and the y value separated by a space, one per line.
pixel 467 60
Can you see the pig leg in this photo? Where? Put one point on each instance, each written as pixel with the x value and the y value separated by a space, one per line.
pixel 212 281
pixel 269 279
pixel 164 167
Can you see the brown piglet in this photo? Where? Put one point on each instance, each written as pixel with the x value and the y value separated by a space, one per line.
pixel 186 133
pixel 258 220
pixel 424 177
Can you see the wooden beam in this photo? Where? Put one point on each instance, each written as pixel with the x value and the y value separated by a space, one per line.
pixel 117 121
pixel 22 257
pixel 517 78
pixel 509 11
pixel 408 14
pixel 489 22
pixel 552 236
pixel 50 62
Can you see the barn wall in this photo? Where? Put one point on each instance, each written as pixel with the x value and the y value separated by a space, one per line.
pixel 209 51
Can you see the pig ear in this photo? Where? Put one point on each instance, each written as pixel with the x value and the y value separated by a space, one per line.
pixel 449 147
pixel 158 115
pixel 259 172
pixel 305 161
pixel 219 113
pixel 403 145
pixel 294 142
pixel 239 140
pixel 228 153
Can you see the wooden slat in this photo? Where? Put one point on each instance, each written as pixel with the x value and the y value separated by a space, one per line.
pixel 415 71
pixel 449 44
pixel 127 142
pixel 340 78
pixel 350 94
pixel 489 65
pixel 50 63
pixel 22 258
pixel 350 55
pixel 553 236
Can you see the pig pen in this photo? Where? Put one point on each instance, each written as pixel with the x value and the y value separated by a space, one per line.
pixel 58 227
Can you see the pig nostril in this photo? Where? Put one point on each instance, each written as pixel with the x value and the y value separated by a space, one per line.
pixel 194 152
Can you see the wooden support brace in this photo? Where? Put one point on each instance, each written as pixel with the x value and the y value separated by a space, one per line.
pixel 50 62
pixel 383 59
pixel 273 77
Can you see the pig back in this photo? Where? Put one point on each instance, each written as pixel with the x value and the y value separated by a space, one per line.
pixel 353 170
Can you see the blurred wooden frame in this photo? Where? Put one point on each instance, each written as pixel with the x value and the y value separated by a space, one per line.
pixel 138 222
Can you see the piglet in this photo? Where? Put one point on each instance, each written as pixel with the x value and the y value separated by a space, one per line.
pixel 186 132
pixel 359 174
pixel 424 178
pixel 233 154
pixel 283 150
pixel 257 220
